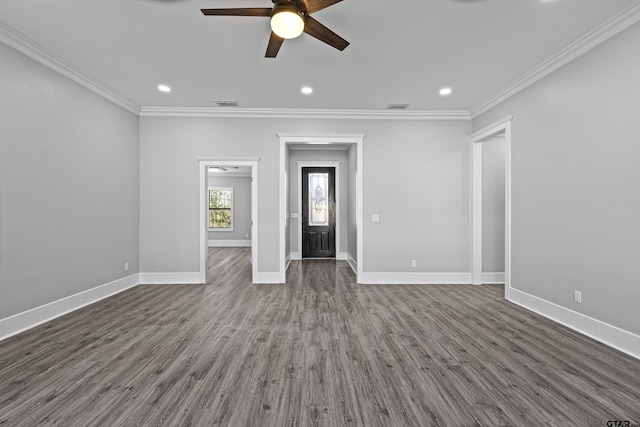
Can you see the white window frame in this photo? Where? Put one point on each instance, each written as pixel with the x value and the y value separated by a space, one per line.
pixel 214 188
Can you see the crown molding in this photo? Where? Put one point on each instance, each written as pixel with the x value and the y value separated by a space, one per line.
pixel 583 44
pixel 33 50
pixel 287 113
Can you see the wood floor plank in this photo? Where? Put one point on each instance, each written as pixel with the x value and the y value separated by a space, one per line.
pixel 318 351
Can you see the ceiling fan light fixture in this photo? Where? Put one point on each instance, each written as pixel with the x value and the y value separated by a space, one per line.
pixel 287 22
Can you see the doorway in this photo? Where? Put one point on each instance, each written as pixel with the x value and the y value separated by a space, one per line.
pixel 228 164
pixel 355 242
pixel 498 131
pixel 318 212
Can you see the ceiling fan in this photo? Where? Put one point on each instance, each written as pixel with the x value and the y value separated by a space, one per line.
pixel 289 18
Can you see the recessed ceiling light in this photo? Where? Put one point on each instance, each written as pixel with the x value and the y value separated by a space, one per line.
pixel 307 90
pixel 445 91
pixel 164 88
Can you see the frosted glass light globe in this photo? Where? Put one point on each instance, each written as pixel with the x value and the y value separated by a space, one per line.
pixel 287 24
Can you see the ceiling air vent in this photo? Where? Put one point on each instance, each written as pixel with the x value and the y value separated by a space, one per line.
pixel 227 103
pixel 397 106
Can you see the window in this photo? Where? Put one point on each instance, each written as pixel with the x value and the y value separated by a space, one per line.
pixel 221 208
pixel 318 199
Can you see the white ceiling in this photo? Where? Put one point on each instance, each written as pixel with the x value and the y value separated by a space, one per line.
pixel 400 52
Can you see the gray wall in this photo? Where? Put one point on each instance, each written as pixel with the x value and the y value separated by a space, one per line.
pixel 294 192
pixel 74 229
pixel 493 208
pixel 576 183
pixel 241 207
pixel 416 176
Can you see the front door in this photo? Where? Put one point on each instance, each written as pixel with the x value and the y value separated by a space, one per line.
pixel 318 212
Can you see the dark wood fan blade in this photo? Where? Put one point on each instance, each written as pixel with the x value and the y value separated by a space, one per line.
pixel 311 6
pixel 322 33
pixel 242 11
pixel 274 46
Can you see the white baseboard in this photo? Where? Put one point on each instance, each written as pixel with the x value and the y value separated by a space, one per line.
pixel 625 341
pixel 287 263
pixel 296 256
pixel 269 277
pixel 493 278
pixel 229 243
pixel 404 278
pixel 353 264
pixel 170 278
pixel 20 322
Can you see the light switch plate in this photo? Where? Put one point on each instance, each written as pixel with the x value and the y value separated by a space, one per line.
pixel 577 297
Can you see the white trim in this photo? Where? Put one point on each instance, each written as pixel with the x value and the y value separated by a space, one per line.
pixel 21 322
pixel 295 256
pixel 171 278
pixel 274 277
pixel 229 243
pixel 336 188
pixel 615 337
pixel 402 278
pixel 492 278
pixel 39 53
pixel 578 47
pixel 490 129
pixel 299 113
pixel 359 208
pixel 341 256
pixel 476 138
pixel 203 223
pixel 283 197
pixel 353 264
pixel 324 139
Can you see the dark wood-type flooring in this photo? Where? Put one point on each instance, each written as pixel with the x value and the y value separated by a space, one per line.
pixel 319 350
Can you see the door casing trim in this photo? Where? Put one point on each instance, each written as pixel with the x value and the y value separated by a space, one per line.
pixel 324 139
pixel 203 165
pixel 476 139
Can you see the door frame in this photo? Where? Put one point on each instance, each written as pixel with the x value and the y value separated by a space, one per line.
pixel 203 165
pixel 321 164
pixel 320 139
pixel 476 139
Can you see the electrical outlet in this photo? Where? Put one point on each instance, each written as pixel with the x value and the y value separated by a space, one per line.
pixel 577 297
pixel 126 266
pixel 375 218
pixel 413 263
